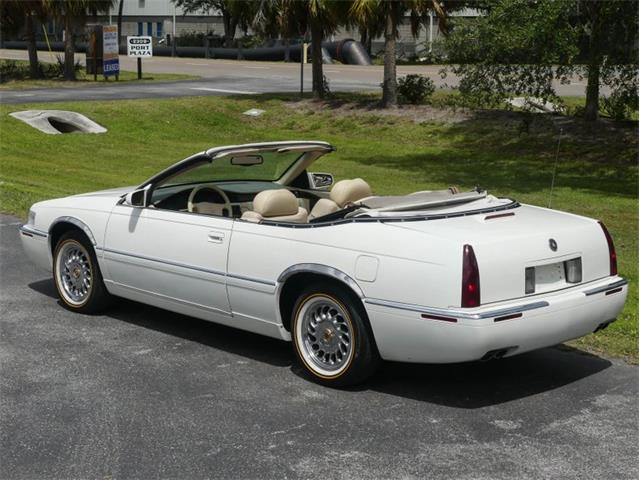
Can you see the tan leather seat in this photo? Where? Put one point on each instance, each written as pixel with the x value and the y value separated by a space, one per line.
pixel 343 193
pixel 277 205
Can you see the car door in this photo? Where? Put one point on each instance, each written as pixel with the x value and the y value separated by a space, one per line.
pixel 177 256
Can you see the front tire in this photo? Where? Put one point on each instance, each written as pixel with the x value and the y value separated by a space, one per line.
pixel 331 336
pixel 77 275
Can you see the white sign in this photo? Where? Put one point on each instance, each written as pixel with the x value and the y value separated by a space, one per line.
pixel 139 47
pixel 110 61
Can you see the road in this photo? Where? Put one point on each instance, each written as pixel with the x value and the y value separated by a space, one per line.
pixel 225 77
pixel 143 393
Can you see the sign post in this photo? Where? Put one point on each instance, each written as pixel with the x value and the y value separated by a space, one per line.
pixel 303 60
pixel 140 47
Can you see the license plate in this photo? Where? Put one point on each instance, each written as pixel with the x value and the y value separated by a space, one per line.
pixel 549 275
pixel 544 278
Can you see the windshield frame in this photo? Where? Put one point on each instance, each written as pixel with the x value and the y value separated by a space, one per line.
pixel 212 154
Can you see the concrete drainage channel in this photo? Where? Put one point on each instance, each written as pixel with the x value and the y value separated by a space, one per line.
pixel 55 122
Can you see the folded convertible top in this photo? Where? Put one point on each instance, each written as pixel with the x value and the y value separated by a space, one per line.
pixel 420 200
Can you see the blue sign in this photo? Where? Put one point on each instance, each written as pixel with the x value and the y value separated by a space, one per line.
pixel 111 67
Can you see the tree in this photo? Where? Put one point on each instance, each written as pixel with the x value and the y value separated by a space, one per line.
pixel 386 16
pixel 17 14
pixel 608 34
pixel 317 17
pixel 74 13
pixel 523 47
pixel 235 13
pixel 273 19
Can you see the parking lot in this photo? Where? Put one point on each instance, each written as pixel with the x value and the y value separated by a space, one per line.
pixel 143 393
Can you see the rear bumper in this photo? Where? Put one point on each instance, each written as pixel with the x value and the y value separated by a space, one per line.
pixel 413 333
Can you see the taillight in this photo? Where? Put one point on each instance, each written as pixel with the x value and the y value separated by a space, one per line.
pixel 470 279
pixel 613 259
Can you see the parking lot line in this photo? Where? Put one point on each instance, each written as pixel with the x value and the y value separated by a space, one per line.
pixel 223 90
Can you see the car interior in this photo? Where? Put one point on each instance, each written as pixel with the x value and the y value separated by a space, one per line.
pixel 255 201
pixel 274 185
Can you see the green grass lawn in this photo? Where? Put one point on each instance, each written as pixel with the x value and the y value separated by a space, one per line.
pixel 86 80
pixel 597 169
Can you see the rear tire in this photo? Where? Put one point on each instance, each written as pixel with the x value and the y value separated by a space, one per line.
pixel 331 336
pixel 77 276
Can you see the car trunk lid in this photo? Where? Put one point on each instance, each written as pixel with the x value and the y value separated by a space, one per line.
pixel 525 243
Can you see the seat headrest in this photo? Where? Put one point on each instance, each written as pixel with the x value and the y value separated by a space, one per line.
pixel 275 203
pixel 346 191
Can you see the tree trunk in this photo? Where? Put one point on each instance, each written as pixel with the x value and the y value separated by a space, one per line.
pixel 593 92
pixel 593 66
pixel 34 68
pixel 389 84
pixel 69 48
pixel 365 40
pixel 316 59
pixel 229 29
pixel 120 8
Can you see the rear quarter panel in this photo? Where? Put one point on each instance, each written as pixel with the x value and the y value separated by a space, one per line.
pixel 401 265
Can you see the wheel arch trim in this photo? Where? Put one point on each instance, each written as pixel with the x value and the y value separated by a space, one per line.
pixel 75 222
pixel 318 269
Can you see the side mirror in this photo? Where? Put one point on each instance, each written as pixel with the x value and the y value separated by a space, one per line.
pixel 320 181
pixel 138 198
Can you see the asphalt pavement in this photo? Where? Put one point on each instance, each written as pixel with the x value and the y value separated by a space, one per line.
pixel 229 77
pixel 143 393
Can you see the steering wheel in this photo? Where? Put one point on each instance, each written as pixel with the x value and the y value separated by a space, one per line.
pixel 226 203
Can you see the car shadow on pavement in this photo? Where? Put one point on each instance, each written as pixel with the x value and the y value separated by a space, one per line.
pixel 480 384
pixel 464 385
pixel 257 347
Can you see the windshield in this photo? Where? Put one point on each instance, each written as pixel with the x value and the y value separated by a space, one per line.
pixel 263 166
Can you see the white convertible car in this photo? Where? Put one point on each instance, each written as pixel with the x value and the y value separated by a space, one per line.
pixel 246 237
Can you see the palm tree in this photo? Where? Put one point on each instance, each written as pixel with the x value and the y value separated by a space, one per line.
pixel 317 17
pixel 324 17
pixel 75 14
pixel 16 14
pixel 387 16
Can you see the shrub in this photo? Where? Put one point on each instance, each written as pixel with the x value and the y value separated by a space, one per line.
pixel 415 88
pixel 9 70
pixel 325 86
pixel 618 106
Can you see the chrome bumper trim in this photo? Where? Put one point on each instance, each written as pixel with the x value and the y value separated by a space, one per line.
pixel 604 288
pixel 28 230
pixel 498 312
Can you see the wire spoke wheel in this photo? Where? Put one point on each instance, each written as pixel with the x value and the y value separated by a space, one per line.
pixel 325 335
pixel 74 273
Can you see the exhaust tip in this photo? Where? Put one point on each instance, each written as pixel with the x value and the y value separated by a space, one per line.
pixel 497 354
pixel 604 325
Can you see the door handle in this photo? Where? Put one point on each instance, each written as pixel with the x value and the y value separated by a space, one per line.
pixel 216 237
